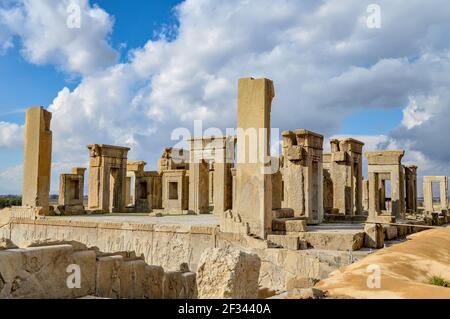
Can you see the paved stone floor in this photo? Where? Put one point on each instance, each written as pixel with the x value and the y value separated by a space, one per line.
pixel 145 219
pixel 337 228
pixel 193 220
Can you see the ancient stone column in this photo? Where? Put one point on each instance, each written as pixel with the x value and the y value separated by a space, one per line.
pixel 444 193
pixel 198 179
pixel 253 179
pixel 107 178
pixel 128 199
pixel 346 174
pixel 327 184
pixel 411 188
pixel 303 174
pixel 134 168
pixel 366 195
pixel 233 179
pixel 277 185
pixel 37 159
pixel 223 161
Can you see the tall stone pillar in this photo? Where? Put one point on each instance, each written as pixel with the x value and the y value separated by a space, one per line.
pixel 411 188
pixel 37 159
pixel 223 149
pixel 134 168
pixel 303 174
pixel 253 178
pixel 444 193
pixel 198 179
pixel 366 195
pixel 346 173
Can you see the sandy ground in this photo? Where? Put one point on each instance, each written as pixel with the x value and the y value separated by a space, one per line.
pixel 405 270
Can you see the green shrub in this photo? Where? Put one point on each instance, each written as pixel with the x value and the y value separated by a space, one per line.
pixel 439 281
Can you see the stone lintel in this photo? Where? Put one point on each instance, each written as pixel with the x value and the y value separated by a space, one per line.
pixel 135 166
pixel 104 150
pixel 385 157
pixel 78 171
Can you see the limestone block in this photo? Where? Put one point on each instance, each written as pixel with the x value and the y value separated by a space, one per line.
pixel 290 242
pixel 305 293
pixel 232 223
pixel 10 275
pixel 87 261
pixel 107 278
pixel 189 280
pixel 294 153
pixel 342 241
pixel 402 231
pixel 37 159
pixel 153 285
pixel 300 282
pixel 228 273
pixel 374 236
pixel 339 156
pixel 35 273
pixel 390 232
pixel 173 285
pixel 5 243
pixel 289 225
pixel 283 213
pixel 132 277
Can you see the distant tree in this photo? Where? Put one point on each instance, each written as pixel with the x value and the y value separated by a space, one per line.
pixel 10 201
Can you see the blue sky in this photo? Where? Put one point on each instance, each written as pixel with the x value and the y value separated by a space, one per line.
pixel 135 23
pixel 23 84
pixel 116 80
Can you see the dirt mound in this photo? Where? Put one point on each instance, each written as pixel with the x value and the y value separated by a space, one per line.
pixel 405 270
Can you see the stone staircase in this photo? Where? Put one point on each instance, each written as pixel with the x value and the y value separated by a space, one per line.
pixel 285 229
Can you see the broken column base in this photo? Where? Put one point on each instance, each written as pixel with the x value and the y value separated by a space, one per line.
pixel 374 237
pixel 232 223
pixel 69 210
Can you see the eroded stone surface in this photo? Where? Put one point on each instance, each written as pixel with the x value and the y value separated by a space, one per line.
pixel 153 286
pixel 374 236
pixel 228 273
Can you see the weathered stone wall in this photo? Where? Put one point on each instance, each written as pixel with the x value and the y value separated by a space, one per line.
pixel 171 245
pixel 72 271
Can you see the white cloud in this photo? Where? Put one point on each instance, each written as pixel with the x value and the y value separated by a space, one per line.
pixel 46 38
pixel 324 61
pixel 5 40
pixel 11 180
pixel 11 135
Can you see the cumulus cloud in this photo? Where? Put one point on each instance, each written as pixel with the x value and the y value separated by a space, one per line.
pixel 11 180
pixel 325 62
pixel 11 135
pixel 46 38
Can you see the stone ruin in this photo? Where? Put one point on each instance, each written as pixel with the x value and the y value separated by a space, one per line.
pixel 107 178
pixel 71 192
pixel 303 174
pixel 343 177
pixel 37 159
pixel 272 207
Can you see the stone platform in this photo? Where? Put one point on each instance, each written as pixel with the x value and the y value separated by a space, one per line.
pixel 172 240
